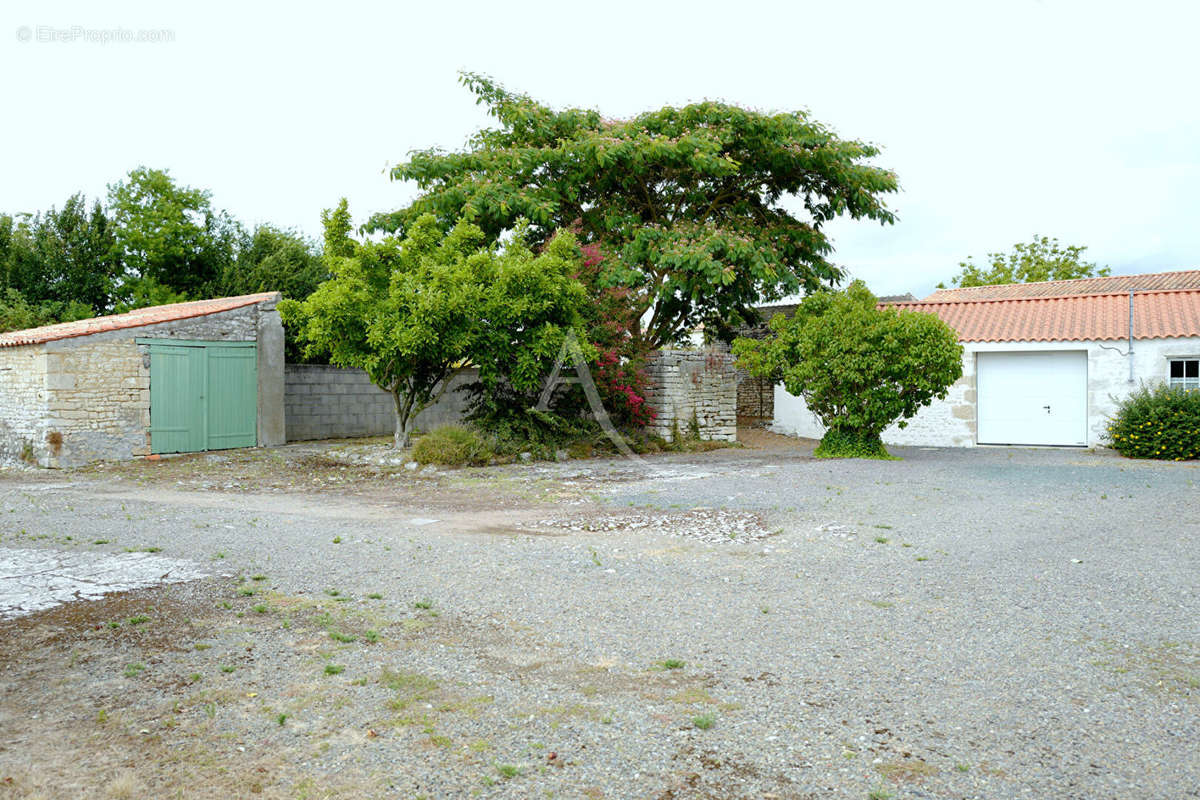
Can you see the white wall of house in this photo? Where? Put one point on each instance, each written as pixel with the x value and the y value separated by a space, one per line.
pixel 952 422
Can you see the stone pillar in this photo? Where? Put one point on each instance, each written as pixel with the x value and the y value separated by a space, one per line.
pixel 693 391
pixel 271 424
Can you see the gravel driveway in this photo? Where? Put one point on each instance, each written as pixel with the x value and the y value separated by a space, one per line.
pixel 982 623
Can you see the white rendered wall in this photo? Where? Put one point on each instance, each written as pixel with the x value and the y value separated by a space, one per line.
pixel 951 422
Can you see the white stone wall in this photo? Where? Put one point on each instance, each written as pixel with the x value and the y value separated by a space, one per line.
pixel 951 422
pixel 22 402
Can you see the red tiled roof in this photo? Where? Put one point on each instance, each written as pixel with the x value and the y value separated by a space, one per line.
pixel 1078 318
pixel 133 319
pixel 1181 279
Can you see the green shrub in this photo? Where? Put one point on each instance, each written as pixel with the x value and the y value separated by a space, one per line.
pixel 1158 422
pixel 453 445
pixel 839 443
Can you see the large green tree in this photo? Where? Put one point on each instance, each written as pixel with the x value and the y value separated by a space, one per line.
pixel 693 204
pixel 1042 259
pixel 413 312
pixel 274 260
pixel 857 366
pixel 169 235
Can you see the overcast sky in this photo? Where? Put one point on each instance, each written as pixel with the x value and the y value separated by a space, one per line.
pixel 1003 120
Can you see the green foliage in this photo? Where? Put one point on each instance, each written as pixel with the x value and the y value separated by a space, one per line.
pixel 412 313
pixel 858 367
pixel 17 313
pixel 687 201
pixel 274 260
pixel 1042 259
pixel 1158 422
pixel 60 256
pixel 844 443
pixel 171 233
pixel 454 446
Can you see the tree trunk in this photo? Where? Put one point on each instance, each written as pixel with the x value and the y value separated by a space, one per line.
pixel 401 435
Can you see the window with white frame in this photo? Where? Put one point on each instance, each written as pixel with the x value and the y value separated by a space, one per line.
pixel 1185 373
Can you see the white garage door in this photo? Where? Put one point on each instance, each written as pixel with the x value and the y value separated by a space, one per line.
pixel 1032 398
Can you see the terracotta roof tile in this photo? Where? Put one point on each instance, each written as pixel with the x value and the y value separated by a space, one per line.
pixel 133 319
pixel 1181 279
pixel 1077 318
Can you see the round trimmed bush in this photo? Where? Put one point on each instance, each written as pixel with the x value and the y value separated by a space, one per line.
pixel 1157 422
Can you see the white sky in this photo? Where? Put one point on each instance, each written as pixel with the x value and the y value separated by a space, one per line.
pixel 1004 119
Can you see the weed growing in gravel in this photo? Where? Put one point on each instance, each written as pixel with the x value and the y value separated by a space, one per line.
pixel 332 592
pixel 218 556
pixel 101 717
pixel 133 670
pixel 424 604
pixel 261 609
pixel 114 625
pixel 508 770
pixel 671 663
pixel 98 541
pixel 227 668
pixel 371 637
pixel 704 721
pixel 881 539
pixel 344 638
pixel 202 645
pixel 922 558
pixel 595 557
pixel 337 540
pixel 374 596
pixel 281 719
pixel 258 578
pixel 195 677
pixel 962 767
pixel 139 619
pixel 334 669
pixel 884 527
pixel 879 794
pixel 882 604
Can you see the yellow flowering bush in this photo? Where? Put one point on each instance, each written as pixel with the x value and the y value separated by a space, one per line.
pixel 1157 422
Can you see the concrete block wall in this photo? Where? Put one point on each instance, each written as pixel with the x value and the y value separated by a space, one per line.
pixel 325 402
pixel 687 385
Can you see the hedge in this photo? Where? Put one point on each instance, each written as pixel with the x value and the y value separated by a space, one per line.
pixel 1158 422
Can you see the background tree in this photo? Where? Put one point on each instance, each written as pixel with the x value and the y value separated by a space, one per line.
pixel 412 313
pixel 1041 259
pixel 273 260
pixel 169 235
pixel 687 200
pixel 858 367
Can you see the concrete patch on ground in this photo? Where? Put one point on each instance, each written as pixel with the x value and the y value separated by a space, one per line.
pixel 34 580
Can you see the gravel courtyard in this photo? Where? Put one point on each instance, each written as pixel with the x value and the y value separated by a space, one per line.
pixel 743 623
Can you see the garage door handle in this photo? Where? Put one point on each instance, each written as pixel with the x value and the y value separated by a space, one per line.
pixel 1047 409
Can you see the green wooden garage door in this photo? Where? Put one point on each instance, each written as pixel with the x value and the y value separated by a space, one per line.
pixel 203 396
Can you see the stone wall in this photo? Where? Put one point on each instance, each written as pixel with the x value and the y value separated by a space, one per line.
pixel 689 387
pixel 323 402
pixel 755 397
pixel 22 401
pixel 74 401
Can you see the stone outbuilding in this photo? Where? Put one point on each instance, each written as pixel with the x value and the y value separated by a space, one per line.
pixel 187 377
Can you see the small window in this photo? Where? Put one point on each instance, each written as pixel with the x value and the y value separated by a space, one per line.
pixel 1185 373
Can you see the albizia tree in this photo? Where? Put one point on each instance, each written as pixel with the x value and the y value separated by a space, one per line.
pixel 705 210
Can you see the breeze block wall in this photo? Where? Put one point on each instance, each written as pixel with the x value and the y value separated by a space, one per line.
pixel 687 386
pixel 325 402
